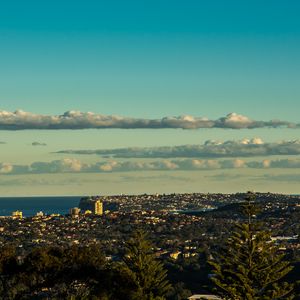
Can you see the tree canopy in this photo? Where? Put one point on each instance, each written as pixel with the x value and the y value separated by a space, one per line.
pixel 250 266
pixel 145 273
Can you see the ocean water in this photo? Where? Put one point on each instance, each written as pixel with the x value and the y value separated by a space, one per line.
pixel 31 205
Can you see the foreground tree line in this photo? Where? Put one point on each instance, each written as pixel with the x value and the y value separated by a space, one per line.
pixel 248 266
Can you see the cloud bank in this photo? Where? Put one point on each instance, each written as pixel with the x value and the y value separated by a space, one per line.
pixel 69 165
pixel 210 149
pixel 21 120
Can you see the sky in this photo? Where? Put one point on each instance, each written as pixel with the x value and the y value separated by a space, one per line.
pixel 109 97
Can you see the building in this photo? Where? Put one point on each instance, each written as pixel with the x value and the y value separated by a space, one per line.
pixel 74 212
pixel 17 214
pixel 98 208
pixel 40 214
pixel 175 255
pixel 94 204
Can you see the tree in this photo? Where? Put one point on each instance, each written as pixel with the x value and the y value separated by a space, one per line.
pixel 250 267
pixel 147 278
pixel 76 272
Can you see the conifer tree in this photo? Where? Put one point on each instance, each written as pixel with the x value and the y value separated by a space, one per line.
pixel 249 266
pixel 146 275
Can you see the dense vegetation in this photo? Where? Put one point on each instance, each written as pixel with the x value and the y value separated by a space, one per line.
pixel 80 272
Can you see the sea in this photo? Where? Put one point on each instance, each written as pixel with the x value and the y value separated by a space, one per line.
pixel 31 205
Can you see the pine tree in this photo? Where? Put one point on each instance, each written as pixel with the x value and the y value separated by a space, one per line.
pixel 145 274
pixel 249 266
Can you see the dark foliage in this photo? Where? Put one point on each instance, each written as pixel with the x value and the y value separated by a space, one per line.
pixel 145 274
pixel 250 266
pixel 81 272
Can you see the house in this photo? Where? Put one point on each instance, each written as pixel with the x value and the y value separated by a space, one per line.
pixel 175 255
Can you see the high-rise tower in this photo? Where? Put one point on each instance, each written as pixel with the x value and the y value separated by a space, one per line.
pixel 98 208
pixel 92 204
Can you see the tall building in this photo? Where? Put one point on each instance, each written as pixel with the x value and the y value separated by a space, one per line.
pixel 98 208
pixel 93 204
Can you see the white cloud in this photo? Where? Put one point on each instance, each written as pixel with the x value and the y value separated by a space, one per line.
pixel 5 168
pixel 210 149
pixel 282 163
pixel 21 120
pixel 70 165
pixel 66 165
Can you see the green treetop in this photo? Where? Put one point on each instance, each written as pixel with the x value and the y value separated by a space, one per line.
pixel 146 275
pixel 249 266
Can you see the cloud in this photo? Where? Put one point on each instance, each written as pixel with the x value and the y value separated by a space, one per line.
pixel 5 168
pixel 21 120
pixel 281 178
pixel 66 165
pixel 282 163
pixel 210 149
pixel 70 165
pixel 225 176
pixel 38 144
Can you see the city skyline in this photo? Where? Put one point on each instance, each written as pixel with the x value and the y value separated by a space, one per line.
pixel 109 98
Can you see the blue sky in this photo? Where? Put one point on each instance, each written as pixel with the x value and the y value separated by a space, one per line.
pixel 147 59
